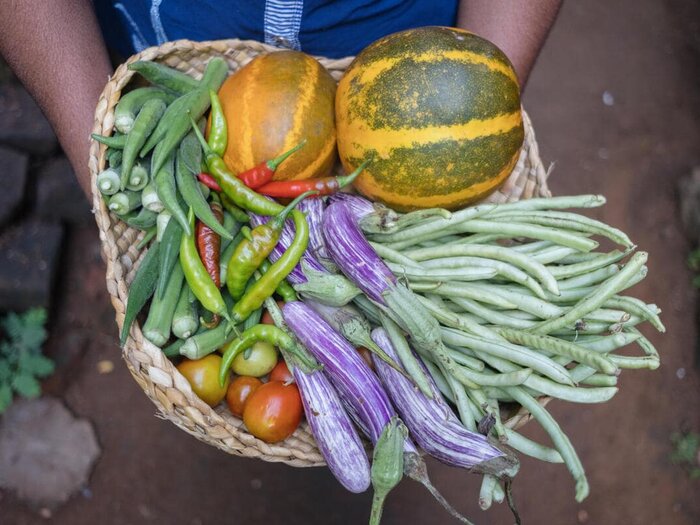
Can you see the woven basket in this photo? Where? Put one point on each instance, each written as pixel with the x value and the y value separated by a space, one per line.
pixel 156 375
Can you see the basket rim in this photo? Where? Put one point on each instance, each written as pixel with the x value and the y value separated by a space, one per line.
pixel 161 380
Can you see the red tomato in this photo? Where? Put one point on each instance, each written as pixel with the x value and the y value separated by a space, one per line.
pixel 281 373
pixel 203 376
pixel 238 392
pixel 273 411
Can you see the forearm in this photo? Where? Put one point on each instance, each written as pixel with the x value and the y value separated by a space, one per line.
pixel 519 28
pixel 57 51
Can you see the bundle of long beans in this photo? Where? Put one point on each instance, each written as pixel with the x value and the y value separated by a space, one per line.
pixel 527 308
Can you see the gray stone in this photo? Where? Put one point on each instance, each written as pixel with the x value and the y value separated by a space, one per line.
pixel 59 196
pixel 29 253
pixel 13 180
pixel 46 454
pixel 22 124
pixel 689 191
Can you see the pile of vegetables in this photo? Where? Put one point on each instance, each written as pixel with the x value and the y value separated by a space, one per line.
pixel 419 331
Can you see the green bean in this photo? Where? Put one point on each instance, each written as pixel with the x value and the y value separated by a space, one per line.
pixel 561 442
pixel 514 353
pixel 406 356
pixel 593 301
pixel 488 484
pixel 595 228
pixel 583 201
pixel 490 408
pixel 547 387
pixel 466 416
pixel 498 494
pixel 498 253
pixel 533 246
pixel 453 320
pixel 523 301
pixel 607 343
pixel 465 360
pixel 451 289
pixel 644 343
pixel 598 379
pixel 441 241
pixel 504 269
pixel 636 307
pixel 589 279
pixel 563 348
pixel 647 361
pixel 392 255
pixel 440 380
pixel 601 261
pixel 553 254
pixel 464 274
pixel 579 257
pixel 368 308
pixel 532 448
pixel 571 221
pixel 493 317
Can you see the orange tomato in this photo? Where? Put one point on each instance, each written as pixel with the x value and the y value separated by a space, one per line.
pixel 203 376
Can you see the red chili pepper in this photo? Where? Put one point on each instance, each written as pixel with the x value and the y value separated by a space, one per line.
pixel 209 248
pixel 324 186
pixel 209 181
pixel 263 173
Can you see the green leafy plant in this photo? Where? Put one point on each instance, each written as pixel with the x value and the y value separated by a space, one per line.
pixel 21 360
pixel 694 265
pixel 686 452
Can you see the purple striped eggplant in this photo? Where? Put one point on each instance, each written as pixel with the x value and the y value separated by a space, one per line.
pixel 335 434
pixel 359 389
pixel 360 263
pixel 434 426
pixel 359 206
pixel 313 208
pixel 343 365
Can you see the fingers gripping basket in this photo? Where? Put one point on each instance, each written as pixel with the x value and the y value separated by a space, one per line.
pixel 156 375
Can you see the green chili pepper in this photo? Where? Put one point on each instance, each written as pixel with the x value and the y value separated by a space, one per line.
pixel 267 284
pixel 251 253
pixel 197 276
pixel 284 289
pixel 235 211
pixel 218 131
pixel 237 191
pixel 260 332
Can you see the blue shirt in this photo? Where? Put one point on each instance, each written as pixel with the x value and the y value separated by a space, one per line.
pixel 331 28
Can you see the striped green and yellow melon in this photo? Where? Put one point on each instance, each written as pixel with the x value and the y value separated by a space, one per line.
pixel 273 103
pixel 437 110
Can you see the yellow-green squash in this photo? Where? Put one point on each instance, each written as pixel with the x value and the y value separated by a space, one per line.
pixel 437 110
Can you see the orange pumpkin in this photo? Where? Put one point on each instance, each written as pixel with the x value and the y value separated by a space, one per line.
pixel 273 103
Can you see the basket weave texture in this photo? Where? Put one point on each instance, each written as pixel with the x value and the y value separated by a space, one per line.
pixel 159 379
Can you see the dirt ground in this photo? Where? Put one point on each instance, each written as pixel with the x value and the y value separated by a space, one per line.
pixel 614 100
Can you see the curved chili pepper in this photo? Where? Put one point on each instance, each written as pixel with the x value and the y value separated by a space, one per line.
pixel 238 192
pixel 208 181
pixel 324 186
pixel 259 332
pixel 284 289
pixel 266 285
pixel 209 248
pixel 199 280
pixel 254 249
pixel 218 131
pixel 263 172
